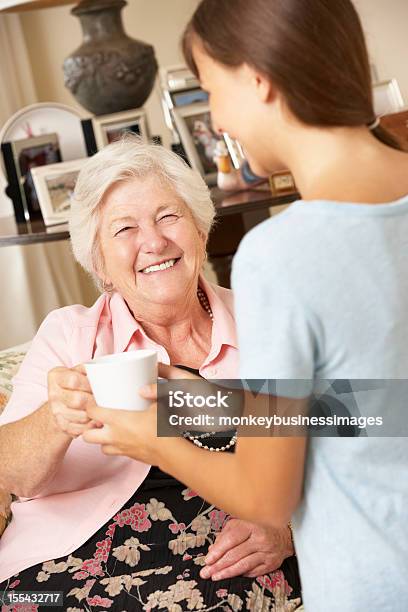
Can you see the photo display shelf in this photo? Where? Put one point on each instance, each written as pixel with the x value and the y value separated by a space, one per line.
pixel 44 147
pixel 187 115
pixel 38 136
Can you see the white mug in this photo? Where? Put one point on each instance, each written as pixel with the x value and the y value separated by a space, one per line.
pixel 116 379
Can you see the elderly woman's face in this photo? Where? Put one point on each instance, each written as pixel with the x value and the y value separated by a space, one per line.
pixel 151 248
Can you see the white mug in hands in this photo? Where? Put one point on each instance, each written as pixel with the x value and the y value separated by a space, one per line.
pixel 116 379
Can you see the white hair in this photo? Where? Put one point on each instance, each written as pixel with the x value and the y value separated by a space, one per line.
pixel 125 159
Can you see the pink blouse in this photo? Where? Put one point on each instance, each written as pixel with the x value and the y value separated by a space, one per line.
pixel 78 501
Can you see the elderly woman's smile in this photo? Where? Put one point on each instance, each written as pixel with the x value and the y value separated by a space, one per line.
pixel 151 248
pixel 160 266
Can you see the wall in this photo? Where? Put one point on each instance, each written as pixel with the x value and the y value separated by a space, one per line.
pixel 385 24
pixel 52 34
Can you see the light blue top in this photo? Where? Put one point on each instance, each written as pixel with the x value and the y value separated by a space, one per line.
pixel 321 292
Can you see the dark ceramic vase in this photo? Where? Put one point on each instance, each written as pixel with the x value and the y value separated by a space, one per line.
pixel 110 72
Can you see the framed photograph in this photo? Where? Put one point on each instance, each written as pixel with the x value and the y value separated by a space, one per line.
pixel 387 97
pixel 55 185
pixel 177 77
pixel 109 128
pixel 282 183
pixel 189 96
pixel 48 118
pixel 193 123
pixel 178 87
pixel 20 158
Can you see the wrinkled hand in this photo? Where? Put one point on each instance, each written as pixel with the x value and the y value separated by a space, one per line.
pixel 69 396
pixel 244 548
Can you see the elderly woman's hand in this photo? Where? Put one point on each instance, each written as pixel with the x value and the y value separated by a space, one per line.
pixel 69 396
pixel 243 548
pixel 129 433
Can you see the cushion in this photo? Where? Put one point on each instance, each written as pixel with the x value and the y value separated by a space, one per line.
pixel 10 360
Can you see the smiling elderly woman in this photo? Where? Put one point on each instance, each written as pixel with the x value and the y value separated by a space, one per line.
pixel 109 531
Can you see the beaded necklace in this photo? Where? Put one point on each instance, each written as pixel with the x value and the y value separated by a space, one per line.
pixel 196 440
pixel 203 299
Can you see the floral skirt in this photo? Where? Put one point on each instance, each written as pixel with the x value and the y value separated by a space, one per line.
pixel 148 557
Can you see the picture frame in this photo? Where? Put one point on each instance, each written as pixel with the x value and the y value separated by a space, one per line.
pixel 54 185
pixel 387 97
pixel 178 86
pixel 48 118
pixel 20 158
pixel 105 129
pixel 185 97
pixel 282 183
pixel 193 123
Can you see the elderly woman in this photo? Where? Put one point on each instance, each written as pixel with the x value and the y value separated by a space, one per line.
pixel 111 532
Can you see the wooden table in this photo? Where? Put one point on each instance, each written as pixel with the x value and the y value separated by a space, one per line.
pixel 236 214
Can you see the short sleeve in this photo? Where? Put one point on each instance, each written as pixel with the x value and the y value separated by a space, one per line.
pixel 275 335
pixel 49 349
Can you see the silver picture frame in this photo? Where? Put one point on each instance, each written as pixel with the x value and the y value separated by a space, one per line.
pixel 55 184
pixel 193 123
pixel 108 128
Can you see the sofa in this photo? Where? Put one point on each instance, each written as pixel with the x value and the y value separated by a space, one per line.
pixel 10 361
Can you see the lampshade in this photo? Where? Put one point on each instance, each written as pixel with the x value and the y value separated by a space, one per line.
pixel 16 6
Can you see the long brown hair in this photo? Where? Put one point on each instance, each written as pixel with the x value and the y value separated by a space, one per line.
pixel 314 51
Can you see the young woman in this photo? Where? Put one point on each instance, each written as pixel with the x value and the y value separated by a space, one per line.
pixel 321 292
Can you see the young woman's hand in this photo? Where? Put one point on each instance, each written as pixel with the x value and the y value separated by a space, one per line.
pixel 244 548
pixel 167 372
pixel 133 433
pixel 126 432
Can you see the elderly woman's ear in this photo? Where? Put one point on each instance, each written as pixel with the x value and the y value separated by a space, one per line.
pixel 104 282
pixel 107 286
pixel 99 270
pixel 204 238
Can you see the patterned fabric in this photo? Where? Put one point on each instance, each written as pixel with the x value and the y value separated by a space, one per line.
pixel 9 363
pixel 148 557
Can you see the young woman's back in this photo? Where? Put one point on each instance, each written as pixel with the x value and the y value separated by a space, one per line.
pixel 331 296
pixel 321 290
